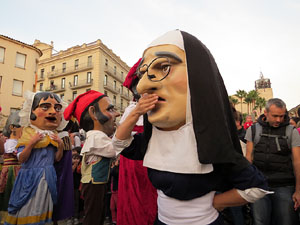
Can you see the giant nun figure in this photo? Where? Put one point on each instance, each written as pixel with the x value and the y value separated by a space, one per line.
pixel 189 144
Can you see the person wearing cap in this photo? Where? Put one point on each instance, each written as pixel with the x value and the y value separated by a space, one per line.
pixel 11 167
pixel 135 188
pixel 183 101
pixel 34 191
pixel 96 115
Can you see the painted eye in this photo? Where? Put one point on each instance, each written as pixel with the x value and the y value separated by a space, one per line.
pixel 45 107
pixel 165 68
pixel 58 108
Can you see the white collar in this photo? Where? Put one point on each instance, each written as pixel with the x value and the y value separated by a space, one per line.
pixel 40 131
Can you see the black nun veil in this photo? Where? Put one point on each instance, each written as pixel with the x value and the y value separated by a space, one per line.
pixel 214 126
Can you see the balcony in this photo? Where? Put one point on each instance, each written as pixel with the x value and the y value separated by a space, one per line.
pixel 70 70
pixel 125 95
pixel 112 72
pixel 54 88
pixel 110 87
pixel 81 84
pixel 40 78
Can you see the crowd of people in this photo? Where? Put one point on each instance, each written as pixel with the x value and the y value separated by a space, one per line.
pixel 173 157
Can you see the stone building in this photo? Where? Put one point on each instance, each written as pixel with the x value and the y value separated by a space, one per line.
pixel 18 66
pixel 78 69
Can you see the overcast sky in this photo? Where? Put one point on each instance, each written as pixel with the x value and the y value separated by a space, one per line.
pixel 245 37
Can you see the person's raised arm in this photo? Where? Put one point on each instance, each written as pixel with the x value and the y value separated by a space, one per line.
pixel 146 103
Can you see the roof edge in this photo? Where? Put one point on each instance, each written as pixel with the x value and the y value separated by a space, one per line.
pixel 22 43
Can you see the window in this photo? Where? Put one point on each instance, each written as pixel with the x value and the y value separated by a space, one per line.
pixel 74 94
pixel 17 87
pixel 106 62
pixel 64 67
pixel 89 77
pixel 105 92
pixel 52 86
pixel 20 60
pixel 105 80
pixel 87 89
pixel 62 96
pixel 2 51
pixel 89 60
pixel 115 100
pixel 121 89
pixel 115 85
pixel 122 75
pixel 76 64
pixel 0 81
pixel 121 104
pixel 115 69
pixel 75 80
pixel 52 68
pixel 41 86
pixel 42 73
pixel 63 83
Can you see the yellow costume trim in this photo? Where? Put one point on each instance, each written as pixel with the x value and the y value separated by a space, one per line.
pixel 29 219
pixel 28 133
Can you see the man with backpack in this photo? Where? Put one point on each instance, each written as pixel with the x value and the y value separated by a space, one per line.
pixel 273 146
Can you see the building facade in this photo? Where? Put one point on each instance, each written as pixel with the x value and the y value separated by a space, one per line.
pixel 78 69
pixel 18 67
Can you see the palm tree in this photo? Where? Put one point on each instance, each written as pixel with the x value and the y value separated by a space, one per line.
pixel 248 101
pixel 253 95
pixel 233 100
pixel 241 94
pixel 260 103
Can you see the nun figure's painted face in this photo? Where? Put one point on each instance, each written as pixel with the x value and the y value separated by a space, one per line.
pixel 163 72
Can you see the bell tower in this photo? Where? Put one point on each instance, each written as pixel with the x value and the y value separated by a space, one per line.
pixel 263 87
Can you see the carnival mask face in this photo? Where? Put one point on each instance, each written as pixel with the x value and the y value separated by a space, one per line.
pixel 163 72
pixel 108 110
pixel 48 114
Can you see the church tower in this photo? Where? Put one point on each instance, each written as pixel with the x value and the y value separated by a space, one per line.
pixel 263 87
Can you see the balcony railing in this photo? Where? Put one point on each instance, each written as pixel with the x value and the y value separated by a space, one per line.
pixel 81 84
pixel 70 70
pixel 41 78
pixel 112 72
pixel 109 86
pixel 55 88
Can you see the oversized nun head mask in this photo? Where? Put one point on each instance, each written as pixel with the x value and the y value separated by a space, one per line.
pixel 163 72
pixel 183 73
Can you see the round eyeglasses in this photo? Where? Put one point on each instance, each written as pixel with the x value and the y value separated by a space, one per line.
pixel 157 70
